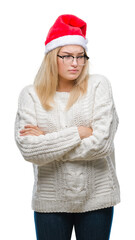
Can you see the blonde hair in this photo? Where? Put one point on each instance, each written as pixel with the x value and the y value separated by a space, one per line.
pixel 46 82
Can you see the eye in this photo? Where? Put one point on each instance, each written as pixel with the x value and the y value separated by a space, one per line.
pixel 68 56
pixel 80 57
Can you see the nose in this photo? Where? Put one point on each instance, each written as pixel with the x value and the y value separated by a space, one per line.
pixel 74 62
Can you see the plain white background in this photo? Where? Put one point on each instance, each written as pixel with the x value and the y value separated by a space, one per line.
pixel 110 31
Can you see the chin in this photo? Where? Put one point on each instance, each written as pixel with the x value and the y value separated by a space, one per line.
pixel 74 77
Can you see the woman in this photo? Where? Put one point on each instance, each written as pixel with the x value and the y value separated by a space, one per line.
pixel 65 125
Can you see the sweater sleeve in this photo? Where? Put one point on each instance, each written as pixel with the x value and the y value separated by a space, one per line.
pixel 41 149
pixel 104 125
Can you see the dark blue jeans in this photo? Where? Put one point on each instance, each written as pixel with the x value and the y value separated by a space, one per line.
pixel 92 225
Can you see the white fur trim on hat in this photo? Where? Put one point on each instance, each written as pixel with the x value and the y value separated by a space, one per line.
pixel 66 40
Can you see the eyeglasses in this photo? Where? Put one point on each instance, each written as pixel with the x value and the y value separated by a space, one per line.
pixel 68 59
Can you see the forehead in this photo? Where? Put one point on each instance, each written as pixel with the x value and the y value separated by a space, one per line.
pixel 72 49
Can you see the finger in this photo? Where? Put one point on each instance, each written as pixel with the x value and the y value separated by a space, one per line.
pixel 29 133
pixel 32 131
pixel 33 127
pixel 30 126
pixel 28 129
pixel 37 130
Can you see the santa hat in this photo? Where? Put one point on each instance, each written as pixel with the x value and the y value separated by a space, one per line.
pixel 67 30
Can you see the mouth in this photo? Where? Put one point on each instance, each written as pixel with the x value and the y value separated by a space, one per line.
pixel 73 71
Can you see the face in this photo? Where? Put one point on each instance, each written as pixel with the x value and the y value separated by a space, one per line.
pixel 69 72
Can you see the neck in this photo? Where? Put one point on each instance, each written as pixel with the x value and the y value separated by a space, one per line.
pixel 65 86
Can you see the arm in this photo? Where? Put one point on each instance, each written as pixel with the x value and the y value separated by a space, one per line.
pixel 104 125
pixel 46 148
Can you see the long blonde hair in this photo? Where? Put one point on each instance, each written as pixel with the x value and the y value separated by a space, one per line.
pixel 46 82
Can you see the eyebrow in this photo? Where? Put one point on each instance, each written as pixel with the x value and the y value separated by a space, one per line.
pixel 72 53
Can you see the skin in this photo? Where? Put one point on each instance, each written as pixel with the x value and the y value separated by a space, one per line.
pixel 67 75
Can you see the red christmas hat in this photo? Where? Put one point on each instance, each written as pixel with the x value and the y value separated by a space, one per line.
pixel 67 29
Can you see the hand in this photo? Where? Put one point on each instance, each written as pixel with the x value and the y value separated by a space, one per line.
pixel 31 130
pixel 85 132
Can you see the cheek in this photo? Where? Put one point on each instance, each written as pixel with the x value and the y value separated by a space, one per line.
pixel 80 70
pixel 62 70
pixel 60 67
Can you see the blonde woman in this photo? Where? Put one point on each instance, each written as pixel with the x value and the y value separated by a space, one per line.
pixel 65 125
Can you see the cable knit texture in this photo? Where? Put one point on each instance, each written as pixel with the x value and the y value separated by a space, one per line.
pixel 71 175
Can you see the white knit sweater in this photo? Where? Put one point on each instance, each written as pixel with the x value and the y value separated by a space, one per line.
pixel 71 175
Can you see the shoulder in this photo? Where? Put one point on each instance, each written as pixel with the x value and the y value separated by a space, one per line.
pixel 26 95
pixel 97 79
pixel 26 90
pixel 100 84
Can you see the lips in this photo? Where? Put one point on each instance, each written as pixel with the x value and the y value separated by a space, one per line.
pixel 73 70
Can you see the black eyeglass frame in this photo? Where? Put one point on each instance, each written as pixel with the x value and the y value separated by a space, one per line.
pixel 73 56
